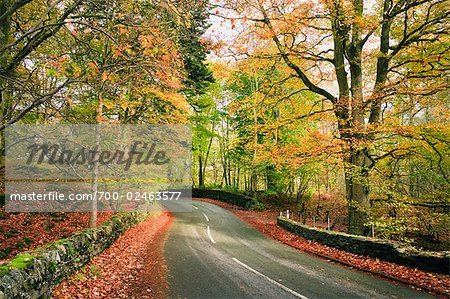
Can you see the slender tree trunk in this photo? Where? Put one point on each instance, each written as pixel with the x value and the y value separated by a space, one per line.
pixel 201 181
pixel 254 179
pixel 94 207
pixel 5 26
pixel 225 172
pixel 246 181
pixel 202 168
pixel 229 172
pixel 271 183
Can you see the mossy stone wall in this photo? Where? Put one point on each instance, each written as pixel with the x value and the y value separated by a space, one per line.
pixel 383 249
pixel 36 273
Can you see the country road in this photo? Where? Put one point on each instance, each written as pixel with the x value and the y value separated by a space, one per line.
pixel 211 253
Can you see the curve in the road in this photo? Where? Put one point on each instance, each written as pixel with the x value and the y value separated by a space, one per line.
pixel 211 253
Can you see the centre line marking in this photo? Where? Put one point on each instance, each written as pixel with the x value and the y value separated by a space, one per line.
pixel 207 219
pixel 292 292
pixel 210 237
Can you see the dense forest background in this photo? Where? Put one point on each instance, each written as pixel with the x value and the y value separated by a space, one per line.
pixel 337 110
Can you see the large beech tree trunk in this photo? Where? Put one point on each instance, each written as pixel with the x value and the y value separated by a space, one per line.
pixel 357 192
pixel 357 183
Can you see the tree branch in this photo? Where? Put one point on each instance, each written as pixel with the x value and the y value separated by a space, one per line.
pixel 13 8
pixel 39 38
pixel 33 105
pixel 311 86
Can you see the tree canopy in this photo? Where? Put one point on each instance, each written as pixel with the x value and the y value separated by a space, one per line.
pixel 332 105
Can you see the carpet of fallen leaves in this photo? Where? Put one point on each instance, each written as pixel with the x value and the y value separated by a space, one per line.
pixel 26 231
pixel 133 267
pixel 265 222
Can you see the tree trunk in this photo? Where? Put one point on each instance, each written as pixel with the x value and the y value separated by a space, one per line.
pixel 254 181
pixel 5 26
pixel 94 208
pixel 270 176
pixel 201 179
pixel 202 165
pixel 357 191
pixel 357 172
pixel 229 172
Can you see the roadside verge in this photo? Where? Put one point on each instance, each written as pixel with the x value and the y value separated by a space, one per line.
pixel 34 274
pixel 133 267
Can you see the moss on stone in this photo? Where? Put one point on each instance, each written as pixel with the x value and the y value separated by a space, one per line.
pixel 52 266
pixel 21 261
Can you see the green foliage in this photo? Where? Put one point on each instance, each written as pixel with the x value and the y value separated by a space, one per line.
pixel 52 267
pixel 28 241
pixel 95 271
pixel 4 252
pixel 212 186
pixel 3 215
pixel 193 51
pixel 49 226
pixel 10 233
pixel 255 205
pixel 231 188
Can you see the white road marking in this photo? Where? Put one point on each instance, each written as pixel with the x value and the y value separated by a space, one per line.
pixel 195 207
pixel 207 219
pixel 210 237
pixel 271 280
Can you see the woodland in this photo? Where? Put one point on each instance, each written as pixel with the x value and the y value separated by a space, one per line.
pixel 337 110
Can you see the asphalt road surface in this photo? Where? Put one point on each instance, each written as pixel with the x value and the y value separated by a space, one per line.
pixel 211 253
